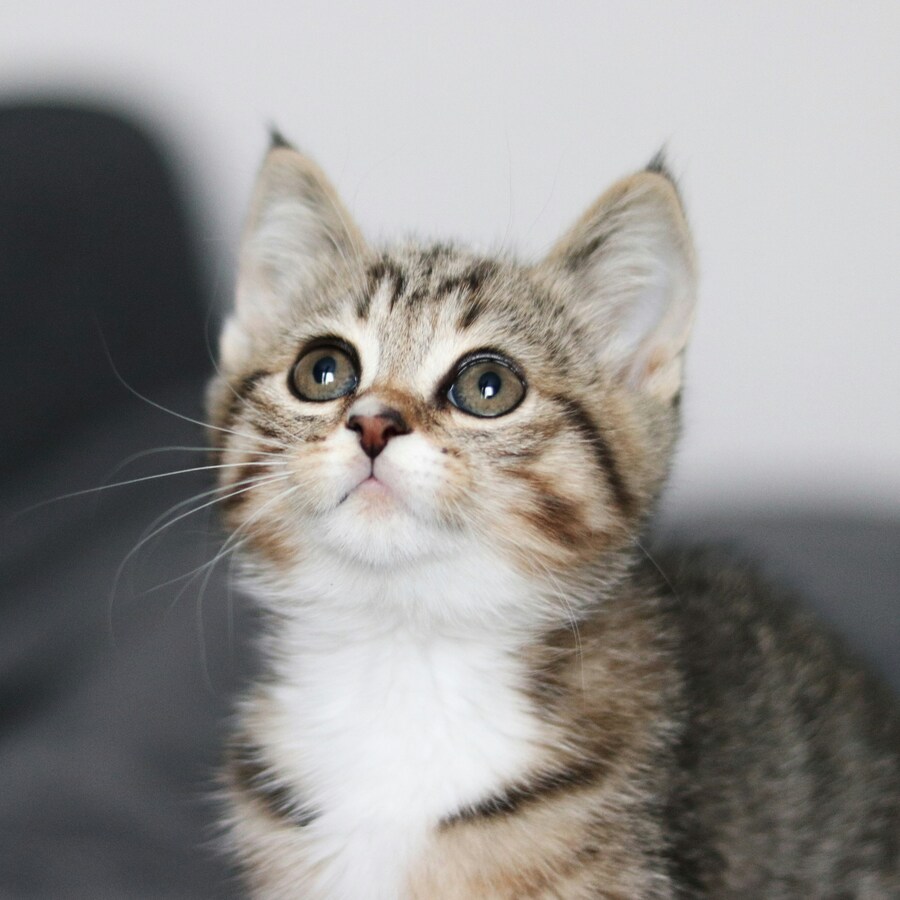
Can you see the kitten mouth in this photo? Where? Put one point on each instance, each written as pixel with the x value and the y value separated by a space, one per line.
pixel 369 486
pixel 372 484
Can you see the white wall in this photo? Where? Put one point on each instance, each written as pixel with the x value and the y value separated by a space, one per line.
pixel 498 122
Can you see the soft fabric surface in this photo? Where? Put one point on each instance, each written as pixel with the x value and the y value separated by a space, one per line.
pixel 111 705
pixel 114 684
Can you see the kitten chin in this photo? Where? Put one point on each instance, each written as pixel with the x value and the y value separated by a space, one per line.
pixel 438 467
pixel 373 527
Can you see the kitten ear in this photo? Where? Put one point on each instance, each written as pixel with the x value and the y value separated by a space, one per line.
pixel 628 267
pixel 297 232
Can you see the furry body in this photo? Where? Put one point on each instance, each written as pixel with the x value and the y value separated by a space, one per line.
pixel 475 686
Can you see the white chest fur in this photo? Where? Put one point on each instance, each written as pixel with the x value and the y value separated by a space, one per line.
pixel 387 734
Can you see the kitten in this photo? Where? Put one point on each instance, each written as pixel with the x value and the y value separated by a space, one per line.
pixel 477 685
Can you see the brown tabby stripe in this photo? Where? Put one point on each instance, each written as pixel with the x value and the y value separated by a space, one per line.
pixel 383 269
pixel 552 514
pixel 241 390
pixel 244 482
pixel 577 259
pixel 580 420
pixel 543 787
pixel 558 516
pixel 236 496
pixel 363 302
pixel 267 431
pixel 253 777
pixel 472 282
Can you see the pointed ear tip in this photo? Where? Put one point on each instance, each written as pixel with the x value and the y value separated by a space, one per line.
pixel 283 160
pixel 655 186
pixel 277 138
pixel 277 141
pixel 659 164
pixel 648 189
pixel 660 168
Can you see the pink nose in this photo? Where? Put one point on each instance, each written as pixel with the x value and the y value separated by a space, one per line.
pixel 375 431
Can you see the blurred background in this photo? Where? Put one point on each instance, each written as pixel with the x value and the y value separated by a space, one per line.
pixel 130 135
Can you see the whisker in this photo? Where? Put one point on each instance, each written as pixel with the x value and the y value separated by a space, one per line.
pixel 221 487
pixel 118 484
pixel 256 482
pixel 656 566
pixel 242 399
pixel 228 549
pixel 246 485
pixel 559 594
pixel 195 571
pixel 164 409
pixel 189 449
pixel 225 549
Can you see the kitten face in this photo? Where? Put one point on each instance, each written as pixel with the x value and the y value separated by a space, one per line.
pixel 425 405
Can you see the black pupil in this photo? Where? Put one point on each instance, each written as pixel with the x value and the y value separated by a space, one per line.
pixel 324 369
pixel 489 385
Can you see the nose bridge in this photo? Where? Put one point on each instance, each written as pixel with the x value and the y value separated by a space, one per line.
pixel 382 399
pixel 404 346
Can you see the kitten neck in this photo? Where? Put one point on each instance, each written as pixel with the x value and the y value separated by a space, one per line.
pixel 468 595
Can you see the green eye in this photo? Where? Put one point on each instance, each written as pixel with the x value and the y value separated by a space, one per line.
pixel 325 372
pixel 486 387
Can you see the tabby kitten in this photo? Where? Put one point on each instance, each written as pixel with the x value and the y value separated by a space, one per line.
pixel 477 686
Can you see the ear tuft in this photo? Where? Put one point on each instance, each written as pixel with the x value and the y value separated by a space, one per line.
pixel 278 140
pixel 628 270
pixel 659 164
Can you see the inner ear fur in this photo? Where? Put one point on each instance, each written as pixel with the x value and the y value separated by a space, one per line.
pixel 628 270
pixel 297 231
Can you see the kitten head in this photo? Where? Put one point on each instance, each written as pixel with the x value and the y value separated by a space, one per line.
pixel 386 413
